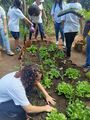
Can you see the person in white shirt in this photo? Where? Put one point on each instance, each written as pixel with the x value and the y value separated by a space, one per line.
pixel 40 21
pixel 72 24
pixel 3 32
pixel 56 8
pixel 13 100
pixel 14 14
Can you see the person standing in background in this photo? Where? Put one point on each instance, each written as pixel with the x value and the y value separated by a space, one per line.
pixel 72 24
pixel 3 32
pixel 14 14
pixel 40 27
pixel 56 8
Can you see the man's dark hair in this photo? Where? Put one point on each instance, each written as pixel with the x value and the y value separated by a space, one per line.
pixel 29 75
pixel 34 10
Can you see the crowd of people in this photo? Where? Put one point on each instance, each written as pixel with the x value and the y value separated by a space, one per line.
pixel 14 103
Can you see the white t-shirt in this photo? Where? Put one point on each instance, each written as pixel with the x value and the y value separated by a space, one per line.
pixel 71 23
pixel 14 15
pixel 11 88
pixel 41 9
pixel 55 11
pixel 2 16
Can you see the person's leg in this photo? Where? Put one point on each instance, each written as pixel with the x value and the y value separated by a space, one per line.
pixel 16 37
pixel 41 30
pixel 62 33
pixel 88 51
pixel 10 111
pixel 56 25
pixel 6 42
pixel 36 31
pixel 69 37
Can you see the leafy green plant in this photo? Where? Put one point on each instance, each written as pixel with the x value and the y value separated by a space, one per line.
pixel 72 73
pixel 88 74
pixel 59 54
pixel 54 73
pixel 83 89
pixel 43 53
pixel 46 82
pixel 55 115
pixel 32 49
pixel 49 62
pixel 78 111
pixel 52 47
pixel 66 89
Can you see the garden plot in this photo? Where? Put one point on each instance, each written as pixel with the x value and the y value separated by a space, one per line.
pixel 64 81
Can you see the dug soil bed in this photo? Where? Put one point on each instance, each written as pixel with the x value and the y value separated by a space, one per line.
pixel 36 98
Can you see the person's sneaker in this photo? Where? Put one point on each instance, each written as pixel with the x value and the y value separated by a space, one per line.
pixel 3 49
pixel 18 49
pixel 10 53
pixel 57 42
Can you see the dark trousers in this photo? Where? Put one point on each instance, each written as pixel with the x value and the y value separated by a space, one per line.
pixel 40 29
pixel 10 111
pixel 88 50
pixel 69 37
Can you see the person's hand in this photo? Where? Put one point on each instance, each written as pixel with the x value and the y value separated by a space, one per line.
pixel 51 100
pixel 32 24
pixel 48 108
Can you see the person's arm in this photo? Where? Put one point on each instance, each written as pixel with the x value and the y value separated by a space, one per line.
pixel 20 15
pixel 28 21
pixel 5 25
pixel 49 99
pixel 36 109
pixel 81 25
pixel 3 14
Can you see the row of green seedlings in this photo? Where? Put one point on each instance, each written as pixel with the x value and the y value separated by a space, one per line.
pixel 47 83
pixel 80 89
pixel 76 110
pixel 45 51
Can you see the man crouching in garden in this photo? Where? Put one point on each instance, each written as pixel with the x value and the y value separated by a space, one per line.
pixel 14 103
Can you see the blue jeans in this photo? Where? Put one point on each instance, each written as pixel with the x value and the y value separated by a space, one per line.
pixel 88 50
pixel 5 41
pixel 10 111
pixel 39 29
pixel 58 28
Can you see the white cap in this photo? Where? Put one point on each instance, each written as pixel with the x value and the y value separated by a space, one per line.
pixel 41 0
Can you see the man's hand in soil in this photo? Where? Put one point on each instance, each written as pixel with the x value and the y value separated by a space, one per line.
pixel 50 100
